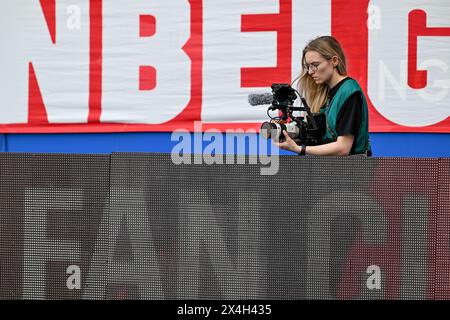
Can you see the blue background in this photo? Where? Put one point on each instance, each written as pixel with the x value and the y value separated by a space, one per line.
pixel 383 144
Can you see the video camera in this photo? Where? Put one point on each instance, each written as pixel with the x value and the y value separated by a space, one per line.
pixel 308 128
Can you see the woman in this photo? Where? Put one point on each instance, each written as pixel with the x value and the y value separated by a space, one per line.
pixel 325 85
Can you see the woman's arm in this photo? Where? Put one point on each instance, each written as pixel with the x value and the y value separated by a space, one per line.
pixel 341 147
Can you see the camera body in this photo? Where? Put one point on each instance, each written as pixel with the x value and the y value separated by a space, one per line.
pixel 308 128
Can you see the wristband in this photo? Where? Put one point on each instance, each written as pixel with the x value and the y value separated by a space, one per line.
pixel 303 150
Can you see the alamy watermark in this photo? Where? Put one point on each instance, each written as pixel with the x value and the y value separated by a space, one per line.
pixel 191 148
pixel 74 17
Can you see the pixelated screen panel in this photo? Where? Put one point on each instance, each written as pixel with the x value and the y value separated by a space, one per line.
pixel 321 228
pixel 443 232
pixel 51 208
pixel 138 226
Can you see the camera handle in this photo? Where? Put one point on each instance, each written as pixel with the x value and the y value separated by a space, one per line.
pixel 306 108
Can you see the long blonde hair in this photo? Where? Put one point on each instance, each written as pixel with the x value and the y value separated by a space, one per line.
pixel 317 94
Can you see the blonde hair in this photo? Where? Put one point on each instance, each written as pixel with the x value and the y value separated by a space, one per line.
pixel 317 94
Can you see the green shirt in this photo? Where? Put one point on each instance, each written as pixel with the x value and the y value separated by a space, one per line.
pixel 332 109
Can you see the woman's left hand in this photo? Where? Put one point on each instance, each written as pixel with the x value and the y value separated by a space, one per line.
pixel 287 144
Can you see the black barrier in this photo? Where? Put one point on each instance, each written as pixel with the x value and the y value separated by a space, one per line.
pixel 138 226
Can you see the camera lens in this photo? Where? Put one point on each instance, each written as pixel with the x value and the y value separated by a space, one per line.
pixel 266 129
pixel 273 130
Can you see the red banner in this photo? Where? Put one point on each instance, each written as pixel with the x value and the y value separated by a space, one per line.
pixel 110 66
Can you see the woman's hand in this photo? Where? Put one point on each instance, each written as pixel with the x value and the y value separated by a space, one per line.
pixel 288 144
